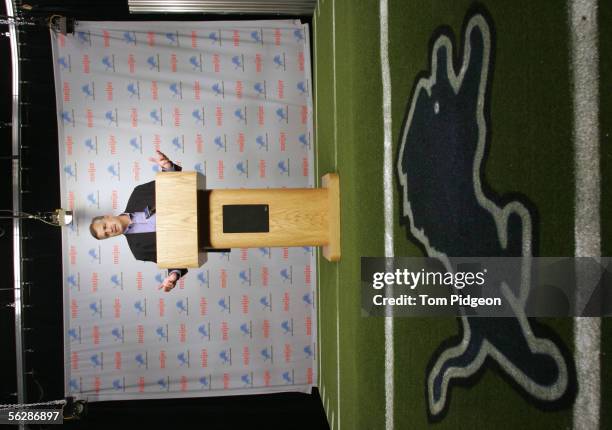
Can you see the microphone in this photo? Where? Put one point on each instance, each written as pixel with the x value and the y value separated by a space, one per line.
pixel 61 217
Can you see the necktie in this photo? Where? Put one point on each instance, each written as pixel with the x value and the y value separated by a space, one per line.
pixel 149 212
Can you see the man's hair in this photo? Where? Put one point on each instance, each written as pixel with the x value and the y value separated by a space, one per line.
pixel 91 226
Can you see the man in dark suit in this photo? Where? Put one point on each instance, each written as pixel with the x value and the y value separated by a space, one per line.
pixel 137 223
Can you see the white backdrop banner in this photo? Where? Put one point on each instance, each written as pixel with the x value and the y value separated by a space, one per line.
pixel 231 100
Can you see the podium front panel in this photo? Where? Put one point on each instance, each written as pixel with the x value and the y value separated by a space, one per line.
pixel 177 219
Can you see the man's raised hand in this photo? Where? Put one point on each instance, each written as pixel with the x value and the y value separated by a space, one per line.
pixel 169 283
pixel 161 160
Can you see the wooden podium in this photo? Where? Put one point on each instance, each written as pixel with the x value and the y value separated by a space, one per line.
pixel 192 220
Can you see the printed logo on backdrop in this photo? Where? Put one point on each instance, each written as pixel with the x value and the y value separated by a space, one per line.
pixel 68 118
pixel 260 89
pixel 88 91
pixel 238 62
pixel 244 276
pixel 119 384
pixel 164 384
pixel 288 377
pixel 74 281
pixel 199 117
pixel 298 35
pixel 156 116
pixel 140 307
pixel 302 88
pixel 65 63
pixel 215 37
pixel 246 329
pixel 257 36
pixel 307 300
pixel 200 168
pixel 83 38
pixel 225 305
pixel 225 357
pixel 287 327
pixel 91 145
pixel 216 63
pixel 205 382
pixel 204 331
pixel 75 384
pixel 114 170
pixel 70 171
pixel 178 144
pixel 141 359
pixel 172 39
pixel 220 143
pixel 97 361
pixel 118 334
pixel 238 90
pixel 153 62
pixel 266 302
pixel 135 144
pixel 279 62
pixel 218 89
pixel 176 90
pixel 182 306
pixel 282 114
pixel 259 63
pixel 95 255
pixel 284 167
pixel 196 63
pixel 116 281
pixel 162 333
pixel 110 91
pixel 112 117
pixel 129 38
pixel 242 168
pixel 183 359
pixel 204 278
pixel 173 63
pixel 108 62
pixel 95 308
pixel 74 335
pixel 247 379
pixel 261 142
pixel 114 198
pixel 133 90
pixel 448 196
pixel 240 115
pixel 286 275
pixel 304 140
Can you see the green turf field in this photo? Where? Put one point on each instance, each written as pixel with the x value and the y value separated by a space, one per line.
pixel 531 153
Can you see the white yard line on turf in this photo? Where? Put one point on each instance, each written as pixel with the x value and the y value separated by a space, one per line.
pixel 388 201
pixel 584 54
pixel 336 169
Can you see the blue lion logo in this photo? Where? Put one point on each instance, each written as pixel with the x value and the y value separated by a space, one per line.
pixel 451 214
pixel 214 38
pixel 108 63
pixel 255 35
pixel 153 63
pixel 195 62
pixel 129 37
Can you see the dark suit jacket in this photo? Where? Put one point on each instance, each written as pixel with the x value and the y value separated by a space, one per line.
pixel 144 245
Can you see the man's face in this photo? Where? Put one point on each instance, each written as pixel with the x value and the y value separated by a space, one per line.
pixel 109 226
